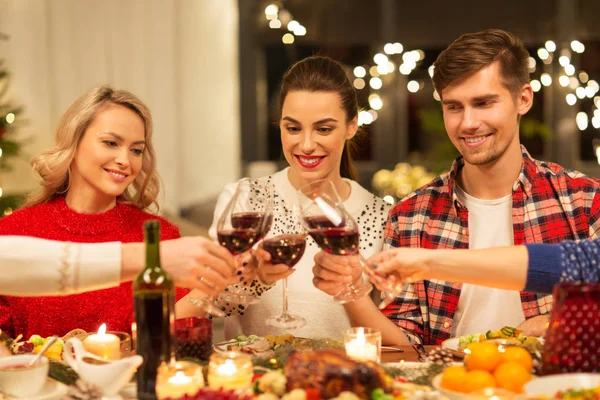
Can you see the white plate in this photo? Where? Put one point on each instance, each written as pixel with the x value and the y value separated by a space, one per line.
pixel 452 345
pixel 52 390
pixel 549 385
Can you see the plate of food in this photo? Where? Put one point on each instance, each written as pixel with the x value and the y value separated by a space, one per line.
pixel 565 386
pixel 255 345
pixel 507 336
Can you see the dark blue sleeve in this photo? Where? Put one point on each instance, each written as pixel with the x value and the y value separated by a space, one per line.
pixel 565 262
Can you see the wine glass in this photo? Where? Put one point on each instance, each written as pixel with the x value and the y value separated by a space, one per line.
pixel 286 249
pixel 245 221
pixel 333 229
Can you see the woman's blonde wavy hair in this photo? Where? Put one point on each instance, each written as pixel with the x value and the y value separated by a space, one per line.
pixel 54 164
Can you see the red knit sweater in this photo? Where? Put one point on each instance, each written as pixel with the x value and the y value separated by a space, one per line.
pixel 47 316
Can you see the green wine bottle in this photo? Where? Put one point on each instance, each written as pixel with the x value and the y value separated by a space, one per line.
pixel 153 294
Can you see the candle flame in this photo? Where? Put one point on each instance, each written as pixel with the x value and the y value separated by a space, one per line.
pixel 102 329
pixel 360 336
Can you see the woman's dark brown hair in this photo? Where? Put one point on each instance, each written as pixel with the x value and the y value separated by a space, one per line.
pixel 322 74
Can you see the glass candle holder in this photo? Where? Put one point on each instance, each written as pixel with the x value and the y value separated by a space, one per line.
pixel 193 338
pixel 175 380
pixel 103 344
pixel 125 339
pixel 573 338
pixel 363 344
pixel 230 371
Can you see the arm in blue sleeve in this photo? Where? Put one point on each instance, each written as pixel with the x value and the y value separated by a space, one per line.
pixel 565 262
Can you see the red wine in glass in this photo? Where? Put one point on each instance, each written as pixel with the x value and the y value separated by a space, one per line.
pixel 253 220
pixel 238 241
pixel 336 241
pixel 285 249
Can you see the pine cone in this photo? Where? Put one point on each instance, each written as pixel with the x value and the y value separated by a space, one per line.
pixel 84 391
pixel 440 356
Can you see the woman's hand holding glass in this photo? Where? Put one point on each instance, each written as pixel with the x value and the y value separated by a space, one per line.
pixel 333 229
pixel 266 272
pixel 198 263
pixel 245 222
pixel 332 273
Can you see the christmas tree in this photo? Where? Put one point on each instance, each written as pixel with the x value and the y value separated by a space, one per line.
pixel 10 147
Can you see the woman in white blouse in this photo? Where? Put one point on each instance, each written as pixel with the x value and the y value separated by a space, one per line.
pixel 319 125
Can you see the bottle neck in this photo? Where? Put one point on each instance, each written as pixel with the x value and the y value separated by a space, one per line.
pixel 152 247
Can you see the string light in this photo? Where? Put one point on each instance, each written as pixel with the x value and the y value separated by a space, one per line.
pixel 564 61
pixel 546 79
pixel 577 46
pixel 271 11
pixel 570 69
pixel 292 25
pixel 380 59
pixel 580 92
pixel 413 86
pixel 536 85
pixel 582 120
pixel 550 46
pixel 543 54
pixel 373 71
pixel 360 72
pixel 359 83
pixel 563 80
pixel 364 118
pixel 389 48
pixel 583 77
pixel 375 83
pixel 375 102
pixel 0 153
pixel 10 118
pixel 398 48
pixel 288 38
pixel 571 99
pixel 275 24
pixel 300 31
pixel 531 64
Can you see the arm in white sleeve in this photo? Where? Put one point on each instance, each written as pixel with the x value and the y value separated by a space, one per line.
pixel 39 267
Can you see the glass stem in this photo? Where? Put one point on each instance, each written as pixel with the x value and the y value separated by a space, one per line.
pixel 284 313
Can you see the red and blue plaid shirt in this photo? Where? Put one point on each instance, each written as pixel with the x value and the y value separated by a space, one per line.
pixel 549 204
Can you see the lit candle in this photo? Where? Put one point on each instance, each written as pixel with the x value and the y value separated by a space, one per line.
pixel 102 344
pixel 230 371
pixel 362 347
pixel 178 379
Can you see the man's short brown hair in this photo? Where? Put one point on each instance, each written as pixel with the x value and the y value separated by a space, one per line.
pixel 474 51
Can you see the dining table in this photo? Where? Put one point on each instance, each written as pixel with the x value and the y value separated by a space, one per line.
pixel 403 353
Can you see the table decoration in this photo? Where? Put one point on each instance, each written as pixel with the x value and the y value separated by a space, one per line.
pixel 231 370
pixel 178 379
pixel 363 344
pixel 193 338
pixel 103 344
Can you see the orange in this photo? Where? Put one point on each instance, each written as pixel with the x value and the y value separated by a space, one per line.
pixel 477 380
pixel 512 376
pixel 518 355
pixel 484 356
pixel 453 378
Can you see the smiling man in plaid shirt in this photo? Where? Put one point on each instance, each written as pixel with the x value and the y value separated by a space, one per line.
pixel 494 195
